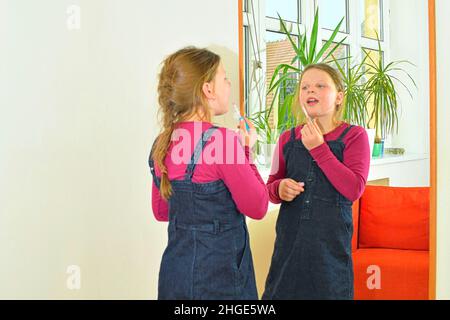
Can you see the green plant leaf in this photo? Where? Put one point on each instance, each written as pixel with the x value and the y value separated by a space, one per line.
pixel 330 40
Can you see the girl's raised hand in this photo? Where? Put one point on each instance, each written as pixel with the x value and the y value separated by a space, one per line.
pixel 289 189
pixel 248 138
pixel 312 136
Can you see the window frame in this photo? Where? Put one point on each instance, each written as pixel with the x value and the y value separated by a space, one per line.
pixel 306 11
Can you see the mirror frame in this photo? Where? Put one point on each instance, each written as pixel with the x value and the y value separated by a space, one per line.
pixel 433 131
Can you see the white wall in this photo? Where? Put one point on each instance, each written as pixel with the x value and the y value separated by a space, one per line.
pixel 77 121
pixel 409 41
pixel 443 141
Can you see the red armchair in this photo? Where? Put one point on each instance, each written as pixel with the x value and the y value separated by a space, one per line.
pixel 390 243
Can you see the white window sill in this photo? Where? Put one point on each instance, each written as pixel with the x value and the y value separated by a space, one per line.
pixel 388 159
pixel 375 163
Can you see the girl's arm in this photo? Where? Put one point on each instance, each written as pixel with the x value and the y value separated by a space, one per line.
pixel 160 206
pixel 349 177
pixel 243 180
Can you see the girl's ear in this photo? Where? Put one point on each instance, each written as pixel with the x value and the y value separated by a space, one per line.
pixel 208 90
pixel 339 98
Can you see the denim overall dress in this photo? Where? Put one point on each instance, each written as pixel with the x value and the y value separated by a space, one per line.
pixel 312 254
pixel 208 252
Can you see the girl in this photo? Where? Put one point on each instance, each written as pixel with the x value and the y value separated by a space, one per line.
pixel 320 168
pixel 203 188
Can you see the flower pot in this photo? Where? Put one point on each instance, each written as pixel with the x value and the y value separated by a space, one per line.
pixel 267 150
pixel 371 136
pixel 378 149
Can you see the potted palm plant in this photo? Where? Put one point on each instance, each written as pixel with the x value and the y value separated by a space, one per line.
pixel 370 82
pixel 268 133
pixel 286 76
pixel 382 93
pixel 355 101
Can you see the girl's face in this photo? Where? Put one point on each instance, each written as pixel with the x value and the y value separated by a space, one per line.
pixel 219 101
pixel 318 94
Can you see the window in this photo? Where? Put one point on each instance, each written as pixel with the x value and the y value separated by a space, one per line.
pixel 373 55
pixel 373 58
pixel 371 18
pixel 341 54
pixel 287 9
pixel 331 13
pixel 278 50
pixel 266 45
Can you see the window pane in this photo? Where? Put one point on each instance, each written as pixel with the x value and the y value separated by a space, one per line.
pixel 371 14
pixel 331 12
pixel 278 50
pixel 340 54
pixel 373 58
pixel 288 9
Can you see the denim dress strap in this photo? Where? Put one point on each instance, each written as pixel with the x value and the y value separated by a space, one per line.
pixel 293 134
pixel 341 137
pixel 197 152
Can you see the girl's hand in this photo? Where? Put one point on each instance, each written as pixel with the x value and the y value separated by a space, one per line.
pixel 289 189
pixel 248 138
pixel 312 136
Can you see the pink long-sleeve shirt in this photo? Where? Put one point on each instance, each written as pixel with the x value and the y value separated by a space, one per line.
pixel 348 177
pixel 224 158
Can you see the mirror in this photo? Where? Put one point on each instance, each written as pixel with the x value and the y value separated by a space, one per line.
pixel 399 179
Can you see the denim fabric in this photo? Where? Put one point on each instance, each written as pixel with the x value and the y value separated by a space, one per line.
pixel 312 254
pixel 208 253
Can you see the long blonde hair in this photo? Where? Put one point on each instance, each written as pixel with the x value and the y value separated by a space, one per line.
pixel 180 96
pixel 338 82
